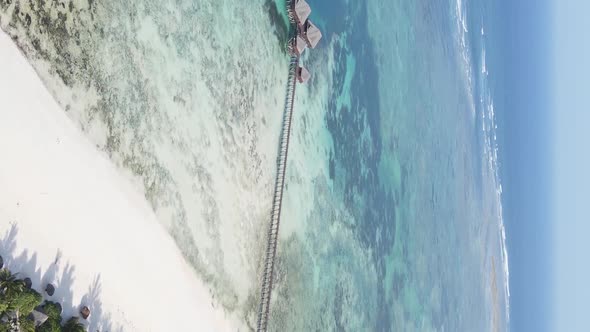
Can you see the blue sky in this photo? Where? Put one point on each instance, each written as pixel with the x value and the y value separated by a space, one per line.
pixel 572 165
pixel 546 169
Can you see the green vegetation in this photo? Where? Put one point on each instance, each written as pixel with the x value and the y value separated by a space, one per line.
pixel 53 322
pixel 73 325
pixel 27 300
pixel 10 286
pixel 15 297
pixel 26 325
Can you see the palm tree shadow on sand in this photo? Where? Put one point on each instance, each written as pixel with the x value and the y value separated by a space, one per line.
pixel 98 321
pixel 61 278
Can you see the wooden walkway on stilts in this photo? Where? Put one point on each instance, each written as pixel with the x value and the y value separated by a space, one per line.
pixel 273 232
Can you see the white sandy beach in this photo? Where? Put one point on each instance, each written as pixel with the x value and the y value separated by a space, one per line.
pixel 59 194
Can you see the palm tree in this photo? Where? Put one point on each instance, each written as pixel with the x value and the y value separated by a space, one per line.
pixel 73 325
pixel 10 286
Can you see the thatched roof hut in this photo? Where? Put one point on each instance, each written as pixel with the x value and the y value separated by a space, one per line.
pixel 301 45
pixel 303 75
pixel 302 11
pixel 297 45
pixel 37 317
pixel 85 312
pixel 311 34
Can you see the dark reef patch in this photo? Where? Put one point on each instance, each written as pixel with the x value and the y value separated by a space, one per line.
pixel 34 22
pixel 282 30
pixel 67 41
pixel 356 133
pixel 338 302
pixel 332 166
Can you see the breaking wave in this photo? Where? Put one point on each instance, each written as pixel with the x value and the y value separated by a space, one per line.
pixel 462 38
pixel 486 109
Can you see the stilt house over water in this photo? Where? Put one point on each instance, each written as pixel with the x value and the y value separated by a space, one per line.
pixel 312 34
pixel 303 75
pixel 308 35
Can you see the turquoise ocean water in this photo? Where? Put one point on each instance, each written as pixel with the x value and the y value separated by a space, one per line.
pixel 392 218
pixel 406 231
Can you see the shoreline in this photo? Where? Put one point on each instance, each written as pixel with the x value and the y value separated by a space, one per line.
pixel 67 214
